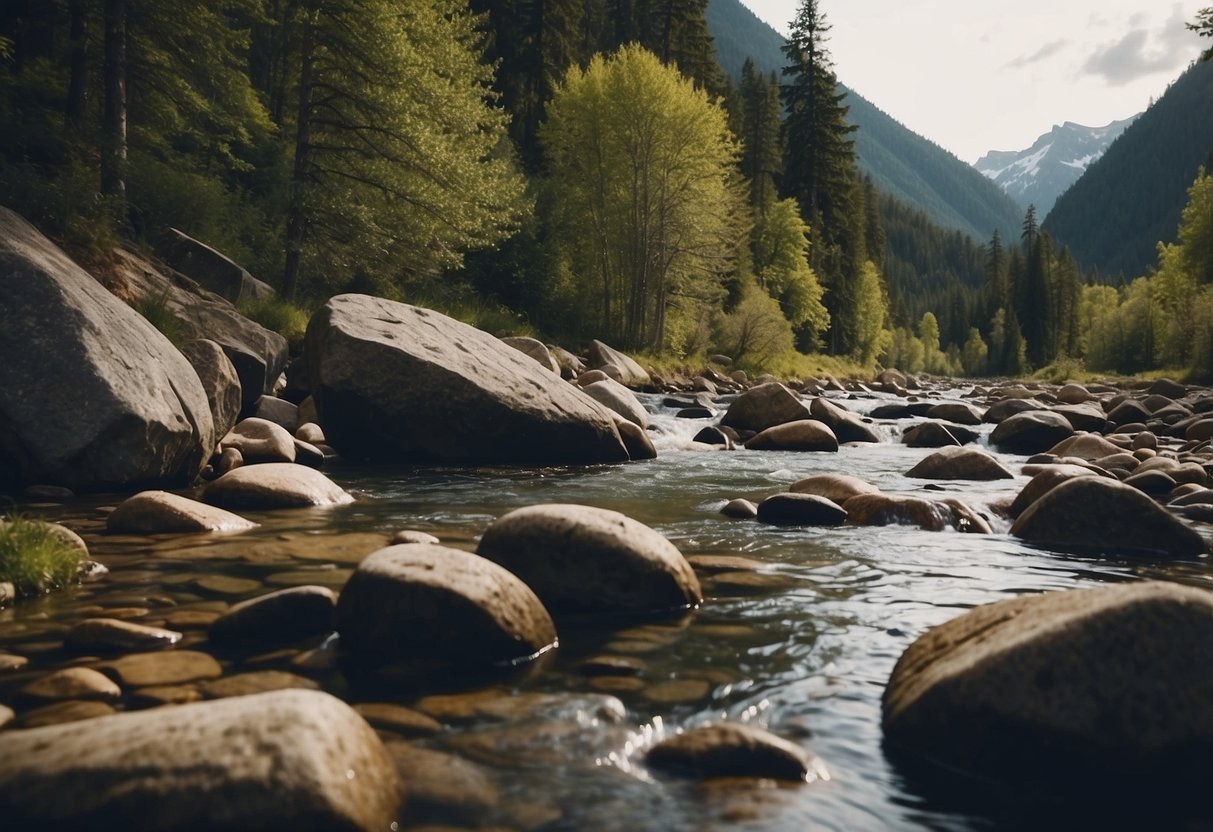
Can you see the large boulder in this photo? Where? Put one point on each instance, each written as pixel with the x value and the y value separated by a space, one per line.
pixel 258 354
pixel 159 512
pixel 1098 515
pixel 219 379
pixel 274 485
pixel 613 395
pixel 92 396
pixel 212 270
pixel 847 426
pixel 1103 686
pixel 419 603
pixel 1030 432
pixel 765 406
pixel 629 372
pixel 957 463
pixel 535 349
pixel 585 559
pixel 393 381
pixel 301 760
pixel 802 435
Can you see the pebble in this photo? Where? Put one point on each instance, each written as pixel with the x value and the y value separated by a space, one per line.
pixel 72 683
pixel 157 695
pixel 110 634
pixel 9 662
pixel 140 670
pixel 7 715
pixel 258 681
pixel 226 585
pixel 612 666
pixel 61 712
pixel 678 691
pixel 443 784
pixel 398 719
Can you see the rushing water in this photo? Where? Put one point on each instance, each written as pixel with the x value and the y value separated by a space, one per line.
pixel 802 646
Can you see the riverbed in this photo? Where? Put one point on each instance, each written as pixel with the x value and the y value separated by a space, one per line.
pixel 801 643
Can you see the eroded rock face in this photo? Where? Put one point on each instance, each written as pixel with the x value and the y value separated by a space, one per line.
pixel 1099 515
pixel 393 381
pixel 219 379
pixel 584 559
pixel 1065 683
pixel 422 602
pixel 92 396
pixel 289 759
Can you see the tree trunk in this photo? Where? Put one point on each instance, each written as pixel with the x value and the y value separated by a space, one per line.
pixel 113 141
pixel 77 90
pixel 296 228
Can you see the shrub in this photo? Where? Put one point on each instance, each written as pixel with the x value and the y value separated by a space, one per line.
pixel 287 319
pixel 155 309
pixel 35 559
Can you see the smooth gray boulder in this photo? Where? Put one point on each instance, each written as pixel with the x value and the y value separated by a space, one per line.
pixel 300 760
pixel 959 463
pixel 211 269
pixel 159 512
pixel 847 426
pixel 837 488
pixel 801 435
pixel 629 372
pixel 800 509
pixel 585 559
pixel 92 396
pixel 765 406
pixel 1030 432
pixel 613 395
pixel 393 381
pixel 274 485
pixel 1102 516
pixel 419 602
pixel 1104 686
pixel 534 348
pixel 260 440
pixel 258 354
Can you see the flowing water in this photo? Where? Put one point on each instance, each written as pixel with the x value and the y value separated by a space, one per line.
pixel 803 645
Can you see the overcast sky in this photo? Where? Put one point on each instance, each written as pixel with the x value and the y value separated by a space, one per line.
pixel 980 75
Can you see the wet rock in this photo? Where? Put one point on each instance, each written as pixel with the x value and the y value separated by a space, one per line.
pixel 515 707
pixel 274 485
pixel 1199 431
pixel 847 426
pixel 80 683
pixel 729 749
pixel 421 601
pixel 63 712
pixel 1044 482
pixel 1064 688
pixel 957 463
pixel 443 785
pixel 584 559
pixel 9 662
pixel 598 666
pixel 106 635
pixel 225 585
pixel 1083 416
pixel 219 379
pixel 570 365
pixel 92 396
pixel 535 350
pixel 173 667
pixel 889 510
pixel 7 715
pixel 793 509
pixel 260 440
pixel 276 410
pixel 308 454
pixel 740 509
pixel 1097 515
pixel 311 433
pixel 1030 432
pixel 613 395
pixel 1087 446
pixel 281 617
pixel 412 536
pixel 802 435
pixel 714 436
pixel 629 372
pixel 291 759
pixel 159 512
pixel 636 440
pixel 157 695
pixel 837 488
pixel 964 519
pixel 930 435
pixel 1128 411
pixel 258 681
pixel 958 413
pixel 765 406
pixel 398 719
pixel 1005 409
pixel 678 691
pixel 468 397
pixel 1074 394
pixel 1154 483
pixel 229 460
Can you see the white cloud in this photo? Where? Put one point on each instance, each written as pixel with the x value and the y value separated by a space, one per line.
pixel 1047 51
pixel 1141 52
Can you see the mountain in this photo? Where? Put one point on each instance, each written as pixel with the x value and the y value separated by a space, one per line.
pixel 1113 217
pixel 900 162
pixel 1039 175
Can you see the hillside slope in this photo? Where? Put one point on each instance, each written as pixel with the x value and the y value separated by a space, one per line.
pixel 900 162
pixel 1114 216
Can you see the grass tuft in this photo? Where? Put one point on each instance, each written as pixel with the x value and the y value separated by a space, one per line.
pixel 35 559
pixel 287 319
pixel 155 309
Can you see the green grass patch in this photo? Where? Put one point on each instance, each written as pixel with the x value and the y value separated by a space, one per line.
pixel 155 309
pixel 287 319
pixel 35 559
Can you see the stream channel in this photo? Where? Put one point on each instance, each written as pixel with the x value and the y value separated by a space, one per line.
pixel 802 646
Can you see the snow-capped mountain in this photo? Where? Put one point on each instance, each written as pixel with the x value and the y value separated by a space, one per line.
pixel 1039 175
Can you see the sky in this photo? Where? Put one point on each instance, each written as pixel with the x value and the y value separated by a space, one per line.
pixel 981 75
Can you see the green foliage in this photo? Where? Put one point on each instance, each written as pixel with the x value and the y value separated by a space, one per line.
pixel 974 354
pixel 905 351
pixel 644 203
pixel 1203 26
pixel 155 308
pixel 933 358
pixel 871 314
pixel 781 263
pixel 755 333
pixel 286 318
pixel 34 559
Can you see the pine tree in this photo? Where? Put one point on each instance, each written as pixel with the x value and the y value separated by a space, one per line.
pixel 762 156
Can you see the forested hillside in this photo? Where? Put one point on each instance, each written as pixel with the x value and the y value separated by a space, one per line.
pixel 1113 218
pixel 900 162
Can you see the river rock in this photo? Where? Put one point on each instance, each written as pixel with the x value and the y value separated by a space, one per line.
pixel 1155 483
pixel 275 485
pixel 1083 416
pixel 570 365
pixel 393 381
pixel 1094 514
pixel 635 439
pixel 740 509
pixel 765 406
pixel 229 459
pixel 837 488
pixel 174 667
pixel 260 440
pixel 802 435
pixel 929 435
pixel 1065 687
pixel 301 760
pixel 629 372
pixel 421 601
pixel 585 559
pixel 1042 483
pixel 1088 446
pixel 1030 432
pixel 281 617
pixel 60 713
pixel 959 413
pixel 158 512
pixel 1128 411
pixel 714 436
pixel 254 682
pixel 621 400
pixel 276 410
pixel 80 683
pixel 92 396
pixel 1005 409
pixel 108 635
pixel 956 463
pixel 730 749
pixel 535 350
pixel 847 426
pixel 219 379
pixel 891 510
pixel 1074 394
pixel 792 509
pixel 443 785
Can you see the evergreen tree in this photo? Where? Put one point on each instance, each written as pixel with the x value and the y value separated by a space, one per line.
pixel 762 155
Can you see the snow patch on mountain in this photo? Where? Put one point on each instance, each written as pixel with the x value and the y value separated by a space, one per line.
pixel 1041 173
